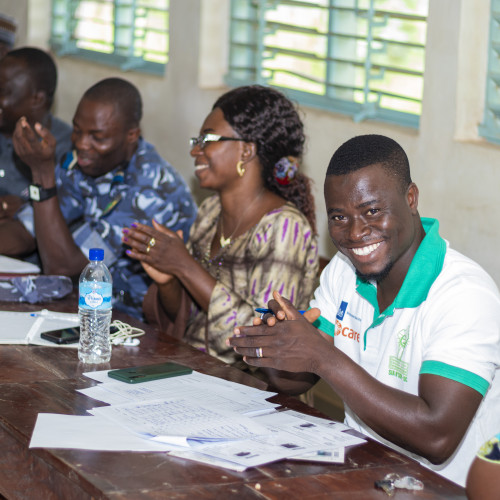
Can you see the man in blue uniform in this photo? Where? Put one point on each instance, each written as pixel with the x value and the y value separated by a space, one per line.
pixel 111 180
pixel 28 80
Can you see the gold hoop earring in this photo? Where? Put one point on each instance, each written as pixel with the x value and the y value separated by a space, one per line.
pixel 240 169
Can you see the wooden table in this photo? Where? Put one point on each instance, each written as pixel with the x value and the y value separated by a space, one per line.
pixel 43 379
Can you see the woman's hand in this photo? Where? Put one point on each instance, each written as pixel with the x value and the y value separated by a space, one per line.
pixel 159 249
pixel 157 276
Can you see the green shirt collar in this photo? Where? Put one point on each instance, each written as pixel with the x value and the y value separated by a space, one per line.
pixel 423 271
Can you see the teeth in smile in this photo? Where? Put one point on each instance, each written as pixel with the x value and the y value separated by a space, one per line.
pixel 365 250
pixel 200 167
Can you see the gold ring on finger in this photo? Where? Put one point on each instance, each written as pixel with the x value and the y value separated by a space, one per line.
pixel 148 248
pixel 152 242
pixel 258 352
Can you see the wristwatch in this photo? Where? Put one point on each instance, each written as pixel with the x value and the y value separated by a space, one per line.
pixel 38 193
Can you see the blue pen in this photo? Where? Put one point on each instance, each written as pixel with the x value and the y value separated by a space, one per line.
pixel 54 315
pixel 264 310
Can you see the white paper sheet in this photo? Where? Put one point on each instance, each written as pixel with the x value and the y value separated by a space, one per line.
pixel 339 426
pixel 182 417
pixel 8 265
pixel 193 378
pixel 26 327
pixel 259 450
pixel 328 453
pixel 197 386
pixel 87 433
pixel 196 424
pixel 325 456
pixel 205 459
pixel 289 436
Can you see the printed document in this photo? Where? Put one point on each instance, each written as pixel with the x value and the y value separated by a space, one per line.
pixel 196 417
pixel 199 387
pixel 180 420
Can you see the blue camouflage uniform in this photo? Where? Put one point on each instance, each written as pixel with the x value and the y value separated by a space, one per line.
pixel 97 209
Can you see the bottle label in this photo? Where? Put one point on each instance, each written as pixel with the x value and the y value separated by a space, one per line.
pixel 93 299
pixel 95 296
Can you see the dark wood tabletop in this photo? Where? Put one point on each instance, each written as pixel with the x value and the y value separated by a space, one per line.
pixel 36 379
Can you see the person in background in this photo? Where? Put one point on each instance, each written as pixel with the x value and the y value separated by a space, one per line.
pixel 483 479
pixel 8 28
pixel 112 179
pixel 406 330
pixel 28 80
pixel 255 234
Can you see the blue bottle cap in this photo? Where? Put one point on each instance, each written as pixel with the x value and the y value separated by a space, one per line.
pixel 96 254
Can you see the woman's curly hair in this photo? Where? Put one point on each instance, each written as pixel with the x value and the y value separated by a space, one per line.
pixel 266 117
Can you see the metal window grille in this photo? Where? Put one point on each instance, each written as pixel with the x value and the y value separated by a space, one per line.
pixel 360 57
pixel 490 127
pixel 131 34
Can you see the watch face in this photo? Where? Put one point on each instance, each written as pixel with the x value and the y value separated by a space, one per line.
pixel 38 193
pixel 34 192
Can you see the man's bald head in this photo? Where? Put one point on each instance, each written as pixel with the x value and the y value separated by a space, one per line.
pixel 122 94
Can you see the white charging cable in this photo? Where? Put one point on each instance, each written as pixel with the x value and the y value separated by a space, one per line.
pixel 125 334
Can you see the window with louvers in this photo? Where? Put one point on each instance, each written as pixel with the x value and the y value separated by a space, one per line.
pixel 490 127
pixel 360 57
pixel 130 34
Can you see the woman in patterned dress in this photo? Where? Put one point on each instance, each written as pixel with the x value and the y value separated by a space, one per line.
pixel 256 234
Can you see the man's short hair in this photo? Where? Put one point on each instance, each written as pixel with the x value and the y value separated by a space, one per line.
pixel 122 94
pixel 365 150
pixel 41 68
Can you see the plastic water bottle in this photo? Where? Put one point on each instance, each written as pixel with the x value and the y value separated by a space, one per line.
pixel 94 310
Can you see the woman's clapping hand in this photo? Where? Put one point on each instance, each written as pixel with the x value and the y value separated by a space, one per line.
pixel 159 249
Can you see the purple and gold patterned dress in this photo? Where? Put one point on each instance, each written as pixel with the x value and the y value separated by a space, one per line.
pixel 279 253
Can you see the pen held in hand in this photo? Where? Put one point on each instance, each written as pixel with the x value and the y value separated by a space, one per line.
pixel 264 310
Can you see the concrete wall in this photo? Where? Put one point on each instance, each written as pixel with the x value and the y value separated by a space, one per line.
pixel 457 172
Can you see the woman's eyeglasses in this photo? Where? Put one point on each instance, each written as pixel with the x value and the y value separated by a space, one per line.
pixel 202 139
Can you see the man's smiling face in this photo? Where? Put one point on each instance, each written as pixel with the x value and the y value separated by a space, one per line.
pixel 101 136
pixel 371 220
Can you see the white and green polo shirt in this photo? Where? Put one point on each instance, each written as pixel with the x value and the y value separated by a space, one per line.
pixel 444 321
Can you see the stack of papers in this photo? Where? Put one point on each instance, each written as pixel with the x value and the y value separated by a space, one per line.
pixel 197 417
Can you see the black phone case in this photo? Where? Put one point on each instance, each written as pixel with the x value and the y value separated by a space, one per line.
pixel 146 373
pixel 59 340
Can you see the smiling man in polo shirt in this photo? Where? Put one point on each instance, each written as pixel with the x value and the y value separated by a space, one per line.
pixel 408 329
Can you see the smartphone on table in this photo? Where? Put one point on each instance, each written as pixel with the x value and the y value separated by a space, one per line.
pixel 146 373
pixel 62 335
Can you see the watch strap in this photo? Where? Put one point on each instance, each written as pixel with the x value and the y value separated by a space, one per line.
pixel 38 193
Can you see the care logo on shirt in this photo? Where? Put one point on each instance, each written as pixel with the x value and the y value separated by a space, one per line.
pixel 397 367
pixel 345 331
pixel 342 310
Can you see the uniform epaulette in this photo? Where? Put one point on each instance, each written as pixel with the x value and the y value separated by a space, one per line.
pixel 69 160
